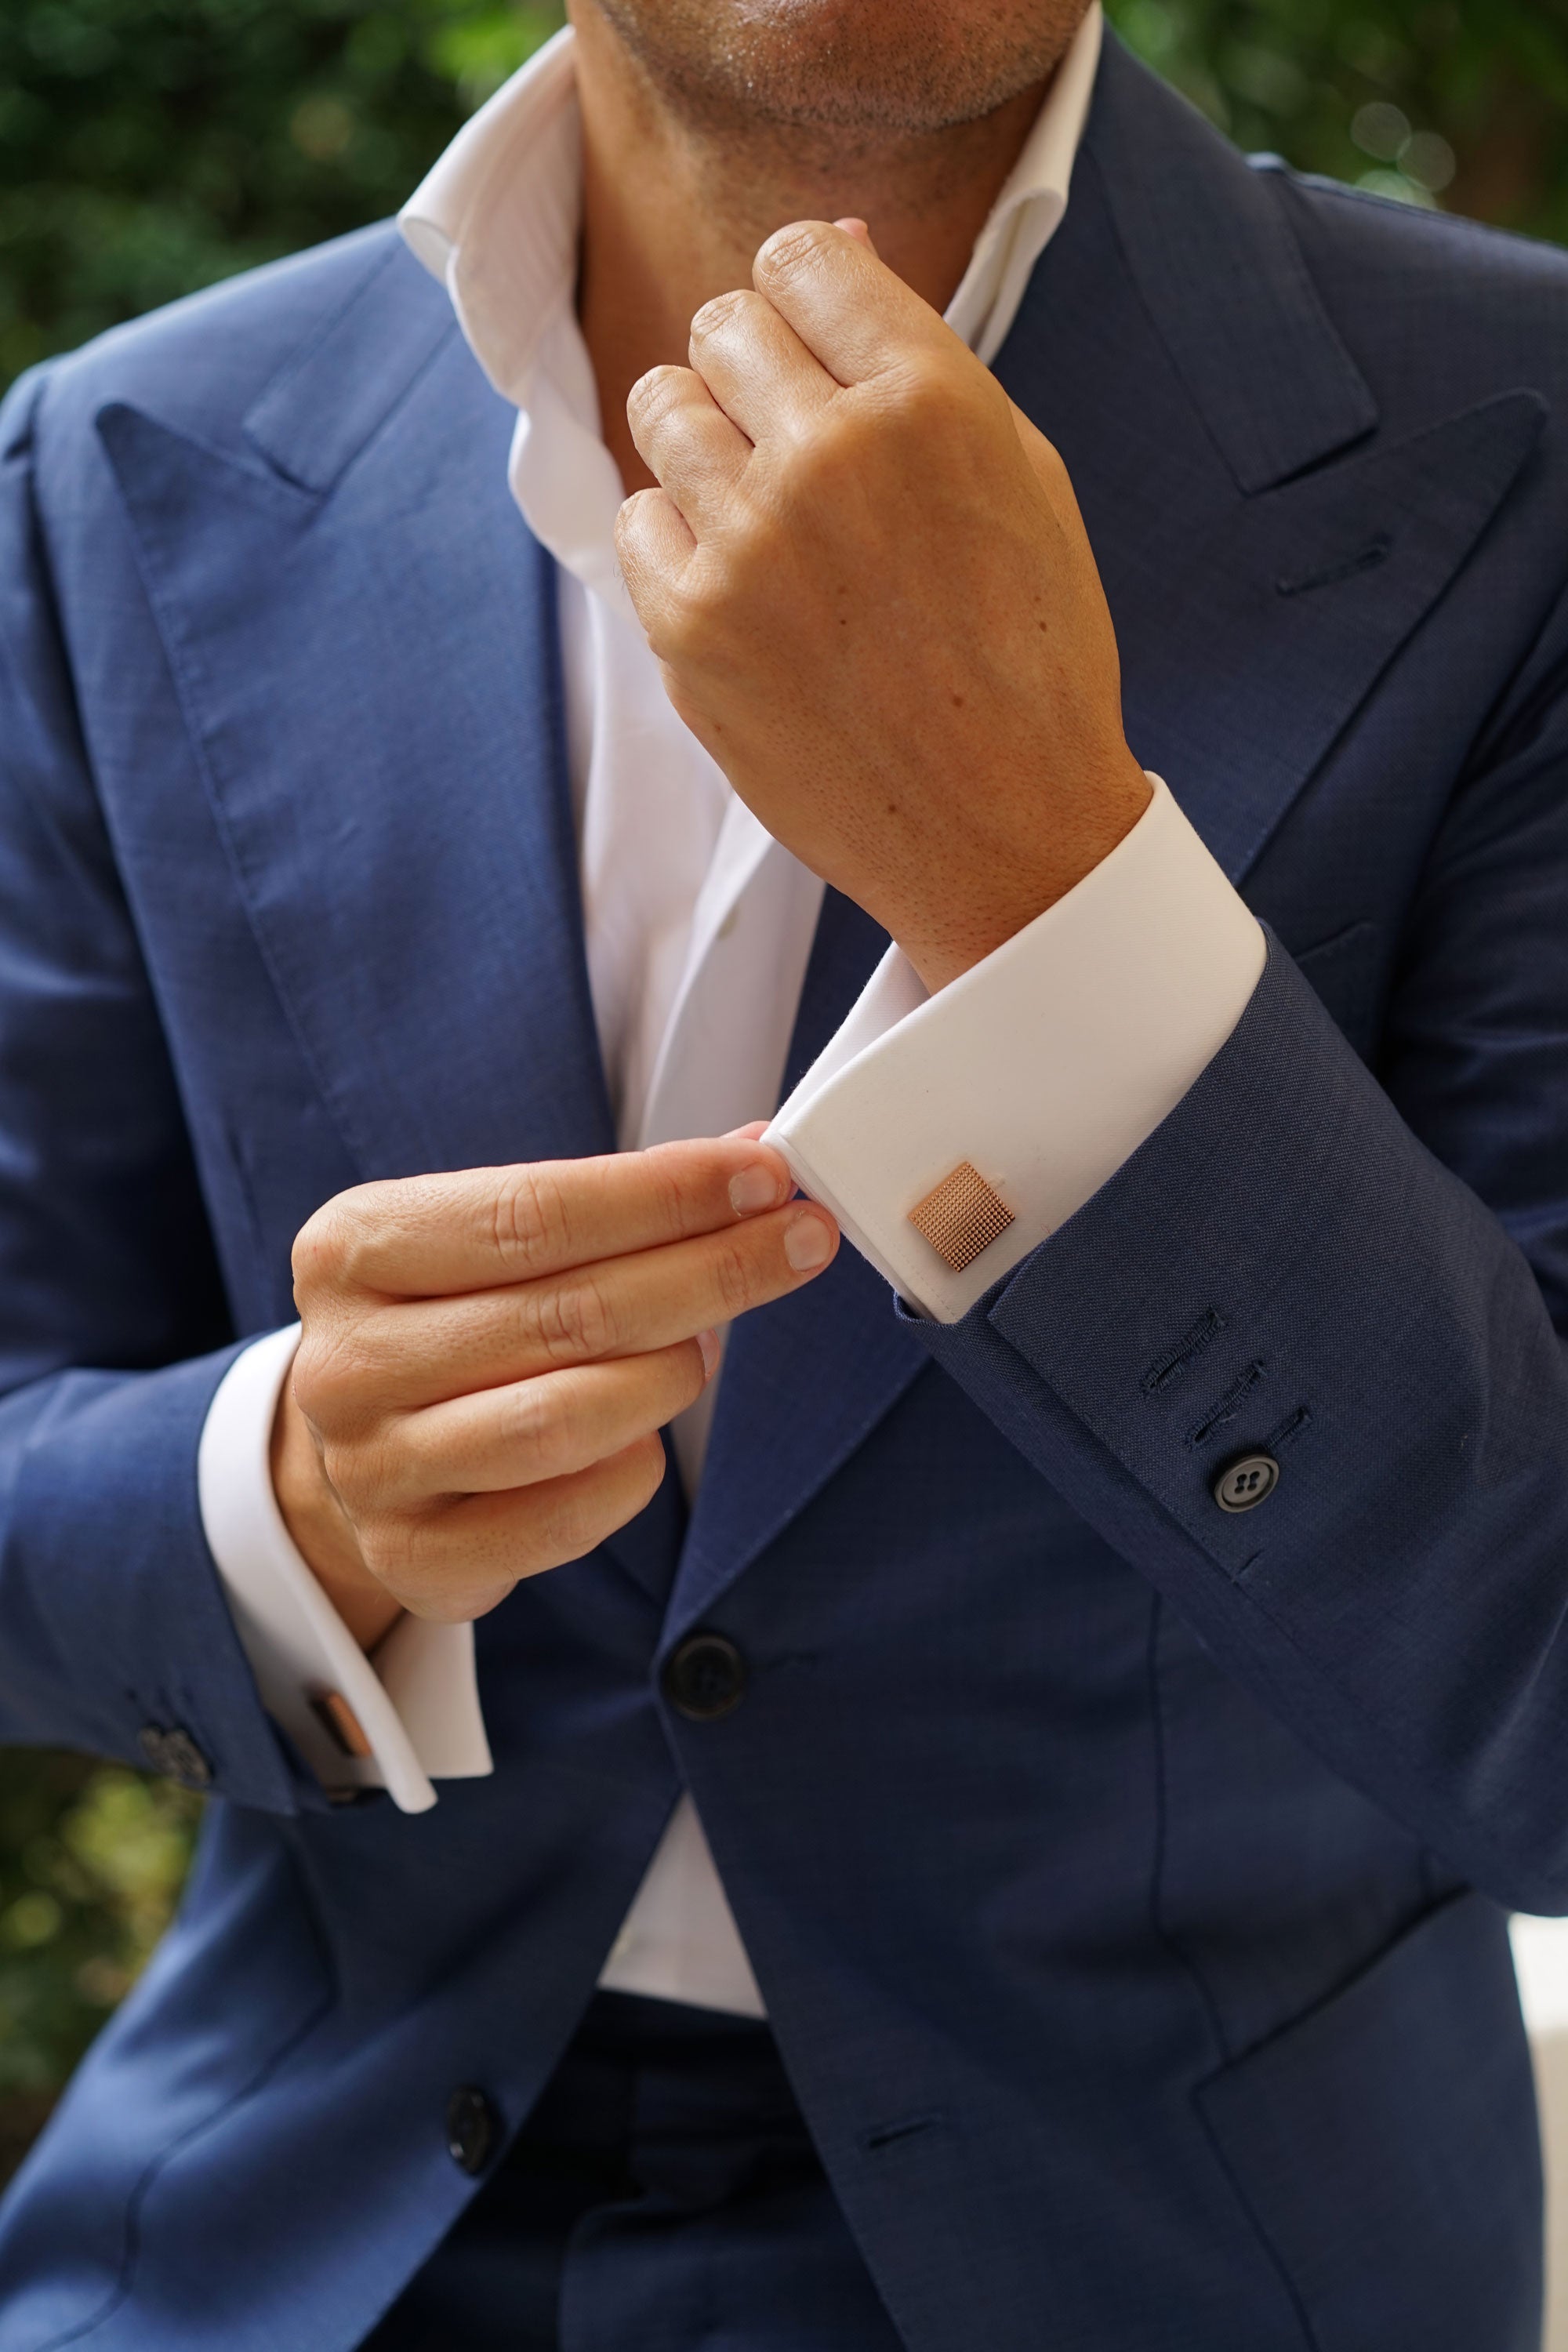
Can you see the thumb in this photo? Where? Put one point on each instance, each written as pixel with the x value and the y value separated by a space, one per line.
pixel 854 227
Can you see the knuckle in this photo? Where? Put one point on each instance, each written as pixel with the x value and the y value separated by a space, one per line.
pixel 792 249
pixel 531 1218
pixel 569 1522
pixel 720 311
pixel 925 399
pixel 335 1377
pixel 666 1169
pixel 581 1511
pixel 340 1464
pixel 824 459
pixel 540 1432
pixel 572 1322
pixel 657 391
pixel 737 1279
pixel 311 1381
pixel 680 634
pixel 633 516
pixel 331 1243
pixel 395 1548
pixel 362 1466
pixel 323 1379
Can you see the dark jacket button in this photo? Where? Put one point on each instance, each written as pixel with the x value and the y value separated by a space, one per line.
pixel 1243 1485
pixel 175 1755
pixel 704 1677
pixel 472 2127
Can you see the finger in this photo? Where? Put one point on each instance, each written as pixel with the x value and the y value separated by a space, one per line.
pixel 685 438
pixel 399 1357
pixel 465 1556
pixel 856 228
pixel 533 1431
pixel 432 1236
pixel 848 307
pixel 653 544
pixel 756 367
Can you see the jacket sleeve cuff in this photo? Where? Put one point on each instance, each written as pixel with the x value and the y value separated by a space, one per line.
pixel 1014 1094
pixel 415 1703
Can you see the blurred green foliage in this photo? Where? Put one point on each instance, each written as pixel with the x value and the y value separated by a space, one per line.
pixel 149 147
pixel 92 1858
pixel 1458 101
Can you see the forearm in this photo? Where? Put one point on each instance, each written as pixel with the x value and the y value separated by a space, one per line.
pixel 113 1625
pixel 1284 1268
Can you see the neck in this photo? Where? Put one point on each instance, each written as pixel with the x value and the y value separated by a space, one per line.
pixel 674 209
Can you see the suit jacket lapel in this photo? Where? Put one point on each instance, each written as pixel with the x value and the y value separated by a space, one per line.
pixel 368 657
pixel 1175 348
pixel 1264 551
pixel 805 1381
pixel 364 645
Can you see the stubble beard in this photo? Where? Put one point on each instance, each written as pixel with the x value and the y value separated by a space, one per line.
pixel 845 73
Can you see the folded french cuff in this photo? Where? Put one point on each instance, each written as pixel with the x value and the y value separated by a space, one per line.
pixel 951 1134
pixel 411 1715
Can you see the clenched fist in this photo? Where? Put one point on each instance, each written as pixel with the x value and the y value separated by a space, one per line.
pixel 867 579
pixel 487 1360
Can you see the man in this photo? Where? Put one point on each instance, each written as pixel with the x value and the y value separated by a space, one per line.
pixel 1035 1780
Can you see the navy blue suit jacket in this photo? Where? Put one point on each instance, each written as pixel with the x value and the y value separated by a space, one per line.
pixel 1124 1879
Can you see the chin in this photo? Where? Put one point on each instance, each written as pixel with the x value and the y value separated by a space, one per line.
pixel 863 65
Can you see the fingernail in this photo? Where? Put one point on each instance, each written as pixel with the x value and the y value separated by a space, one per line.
pixel 707 1342
pixel 754 1187
pixel 808 1242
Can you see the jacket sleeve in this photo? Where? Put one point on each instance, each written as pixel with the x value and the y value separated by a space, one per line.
pixel 1369 1282
pixel 114 1633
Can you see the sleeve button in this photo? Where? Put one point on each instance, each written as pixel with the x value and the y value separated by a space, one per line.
pixel 1244 1484
pixel 471 2128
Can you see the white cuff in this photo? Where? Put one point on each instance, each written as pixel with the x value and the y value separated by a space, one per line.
pixel 417 1704
pixel 1042 1067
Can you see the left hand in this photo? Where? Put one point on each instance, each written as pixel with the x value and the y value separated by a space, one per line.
pixel 870 589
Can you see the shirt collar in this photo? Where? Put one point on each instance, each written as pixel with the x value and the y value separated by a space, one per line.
pixel 498 216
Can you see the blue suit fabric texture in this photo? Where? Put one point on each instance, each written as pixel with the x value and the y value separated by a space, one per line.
pixel 1126 1880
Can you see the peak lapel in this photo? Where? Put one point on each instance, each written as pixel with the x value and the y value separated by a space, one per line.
pixel 364 642
pixel 805 1381
pixel 1264 551
pixel 1218 267
pixel 1175 348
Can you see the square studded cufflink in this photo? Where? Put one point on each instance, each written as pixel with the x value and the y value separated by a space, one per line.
pixel 340 1724
pixel 962 1216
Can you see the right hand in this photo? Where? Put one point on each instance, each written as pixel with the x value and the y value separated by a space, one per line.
pixel 487 1360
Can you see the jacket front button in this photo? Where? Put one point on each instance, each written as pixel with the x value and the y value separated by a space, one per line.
pixel 704 1677
pixel 1243 1485
pixel 471 2128
pixel 175 1755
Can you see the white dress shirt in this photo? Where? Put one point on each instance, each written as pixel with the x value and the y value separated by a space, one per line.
pixel 1042 1067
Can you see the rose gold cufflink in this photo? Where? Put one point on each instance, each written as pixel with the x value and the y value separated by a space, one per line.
pixel 342 1725
pixel 961 1217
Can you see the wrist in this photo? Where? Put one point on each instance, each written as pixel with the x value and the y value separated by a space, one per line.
pixel 965 916
pixel 320 1530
